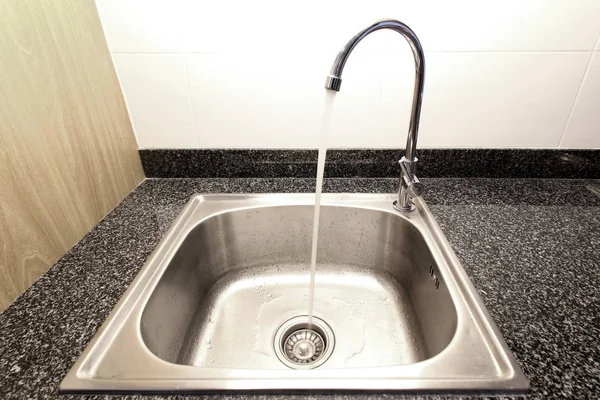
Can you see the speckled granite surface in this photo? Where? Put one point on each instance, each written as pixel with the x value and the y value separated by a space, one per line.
pixel 531 248
pixel 381 163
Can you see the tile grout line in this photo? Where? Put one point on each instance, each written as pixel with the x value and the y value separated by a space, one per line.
pixel 578 93
pixel 189 88
pixel 236 51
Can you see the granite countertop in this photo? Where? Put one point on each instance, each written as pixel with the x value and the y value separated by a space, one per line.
pixel 530 246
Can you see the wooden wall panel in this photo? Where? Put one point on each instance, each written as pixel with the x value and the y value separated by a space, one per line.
pixel 68 154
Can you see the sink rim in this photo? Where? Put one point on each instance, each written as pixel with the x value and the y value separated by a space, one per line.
pixel 155 374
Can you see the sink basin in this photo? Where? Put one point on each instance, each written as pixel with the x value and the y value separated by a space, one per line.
pixel 222 304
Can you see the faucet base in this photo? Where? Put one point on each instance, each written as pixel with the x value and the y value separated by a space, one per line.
pixel 408 208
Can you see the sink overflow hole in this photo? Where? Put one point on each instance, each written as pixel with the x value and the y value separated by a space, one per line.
pixel 436 281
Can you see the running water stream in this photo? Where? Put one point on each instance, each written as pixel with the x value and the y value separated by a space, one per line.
pixel 325 124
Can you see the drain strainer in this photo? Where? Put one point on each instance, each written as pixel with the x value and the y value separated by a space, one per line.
pixel 301 346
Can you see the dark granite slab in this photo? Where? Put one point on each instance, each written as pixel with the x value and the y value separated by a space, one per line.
pixel 374 163
pixel 531 248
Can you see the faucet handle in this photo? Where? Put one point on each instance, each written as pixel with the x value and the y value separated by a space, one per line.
pixel 413 186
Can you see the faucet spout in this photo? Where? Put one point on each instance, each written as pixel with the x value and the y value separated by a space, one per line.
pixel 334 82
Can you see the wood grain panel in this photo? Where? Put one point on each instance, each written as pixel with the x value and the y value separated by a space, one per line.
pixel 67 150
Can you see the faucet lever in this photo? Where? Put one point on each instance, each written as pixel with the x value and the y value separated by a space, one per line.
pixel 410 182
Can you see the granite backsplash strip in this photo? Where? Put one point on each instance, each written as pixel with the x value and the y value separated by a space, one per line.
pixel 370 163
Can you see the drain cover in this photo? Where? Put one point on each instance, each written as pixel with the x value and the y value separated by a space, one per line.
pixel 304 346
pixel 301 346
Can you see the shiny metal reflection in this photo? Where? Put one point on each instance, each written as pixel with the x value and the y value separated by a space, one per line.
pixel 410 187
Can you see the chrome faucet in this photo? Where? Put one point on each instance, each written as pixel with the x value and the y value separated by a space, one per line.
pixel 410 187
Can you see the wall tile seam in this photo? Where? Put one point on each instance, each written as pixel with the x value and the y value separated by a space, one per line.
pixel 236 51
pixel 578 93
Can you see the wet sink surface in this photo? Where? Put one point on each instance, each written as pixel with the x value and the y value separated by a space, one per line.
pixel 205 311
pixel 236 278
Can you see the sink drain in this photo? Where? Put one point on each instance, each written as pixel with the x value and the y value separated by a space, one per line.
pixel 301 346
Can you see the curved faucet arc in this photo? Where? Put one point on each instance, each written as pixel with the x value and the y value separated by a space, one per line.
pixel 409 184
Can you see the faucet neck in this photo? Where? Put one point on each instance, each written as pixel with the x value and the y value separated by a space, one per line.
pixel 335 79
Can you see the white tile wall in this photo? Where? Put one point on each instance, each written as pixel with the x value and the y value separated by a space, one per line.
pixel 164 26
pixel 583 129
pixel 156 91
pixel 499 99
pixel 251 106
pixel 250 73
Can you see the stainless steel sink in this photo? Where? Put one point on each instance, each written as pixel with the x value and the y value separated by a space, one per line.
pixel 222 304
